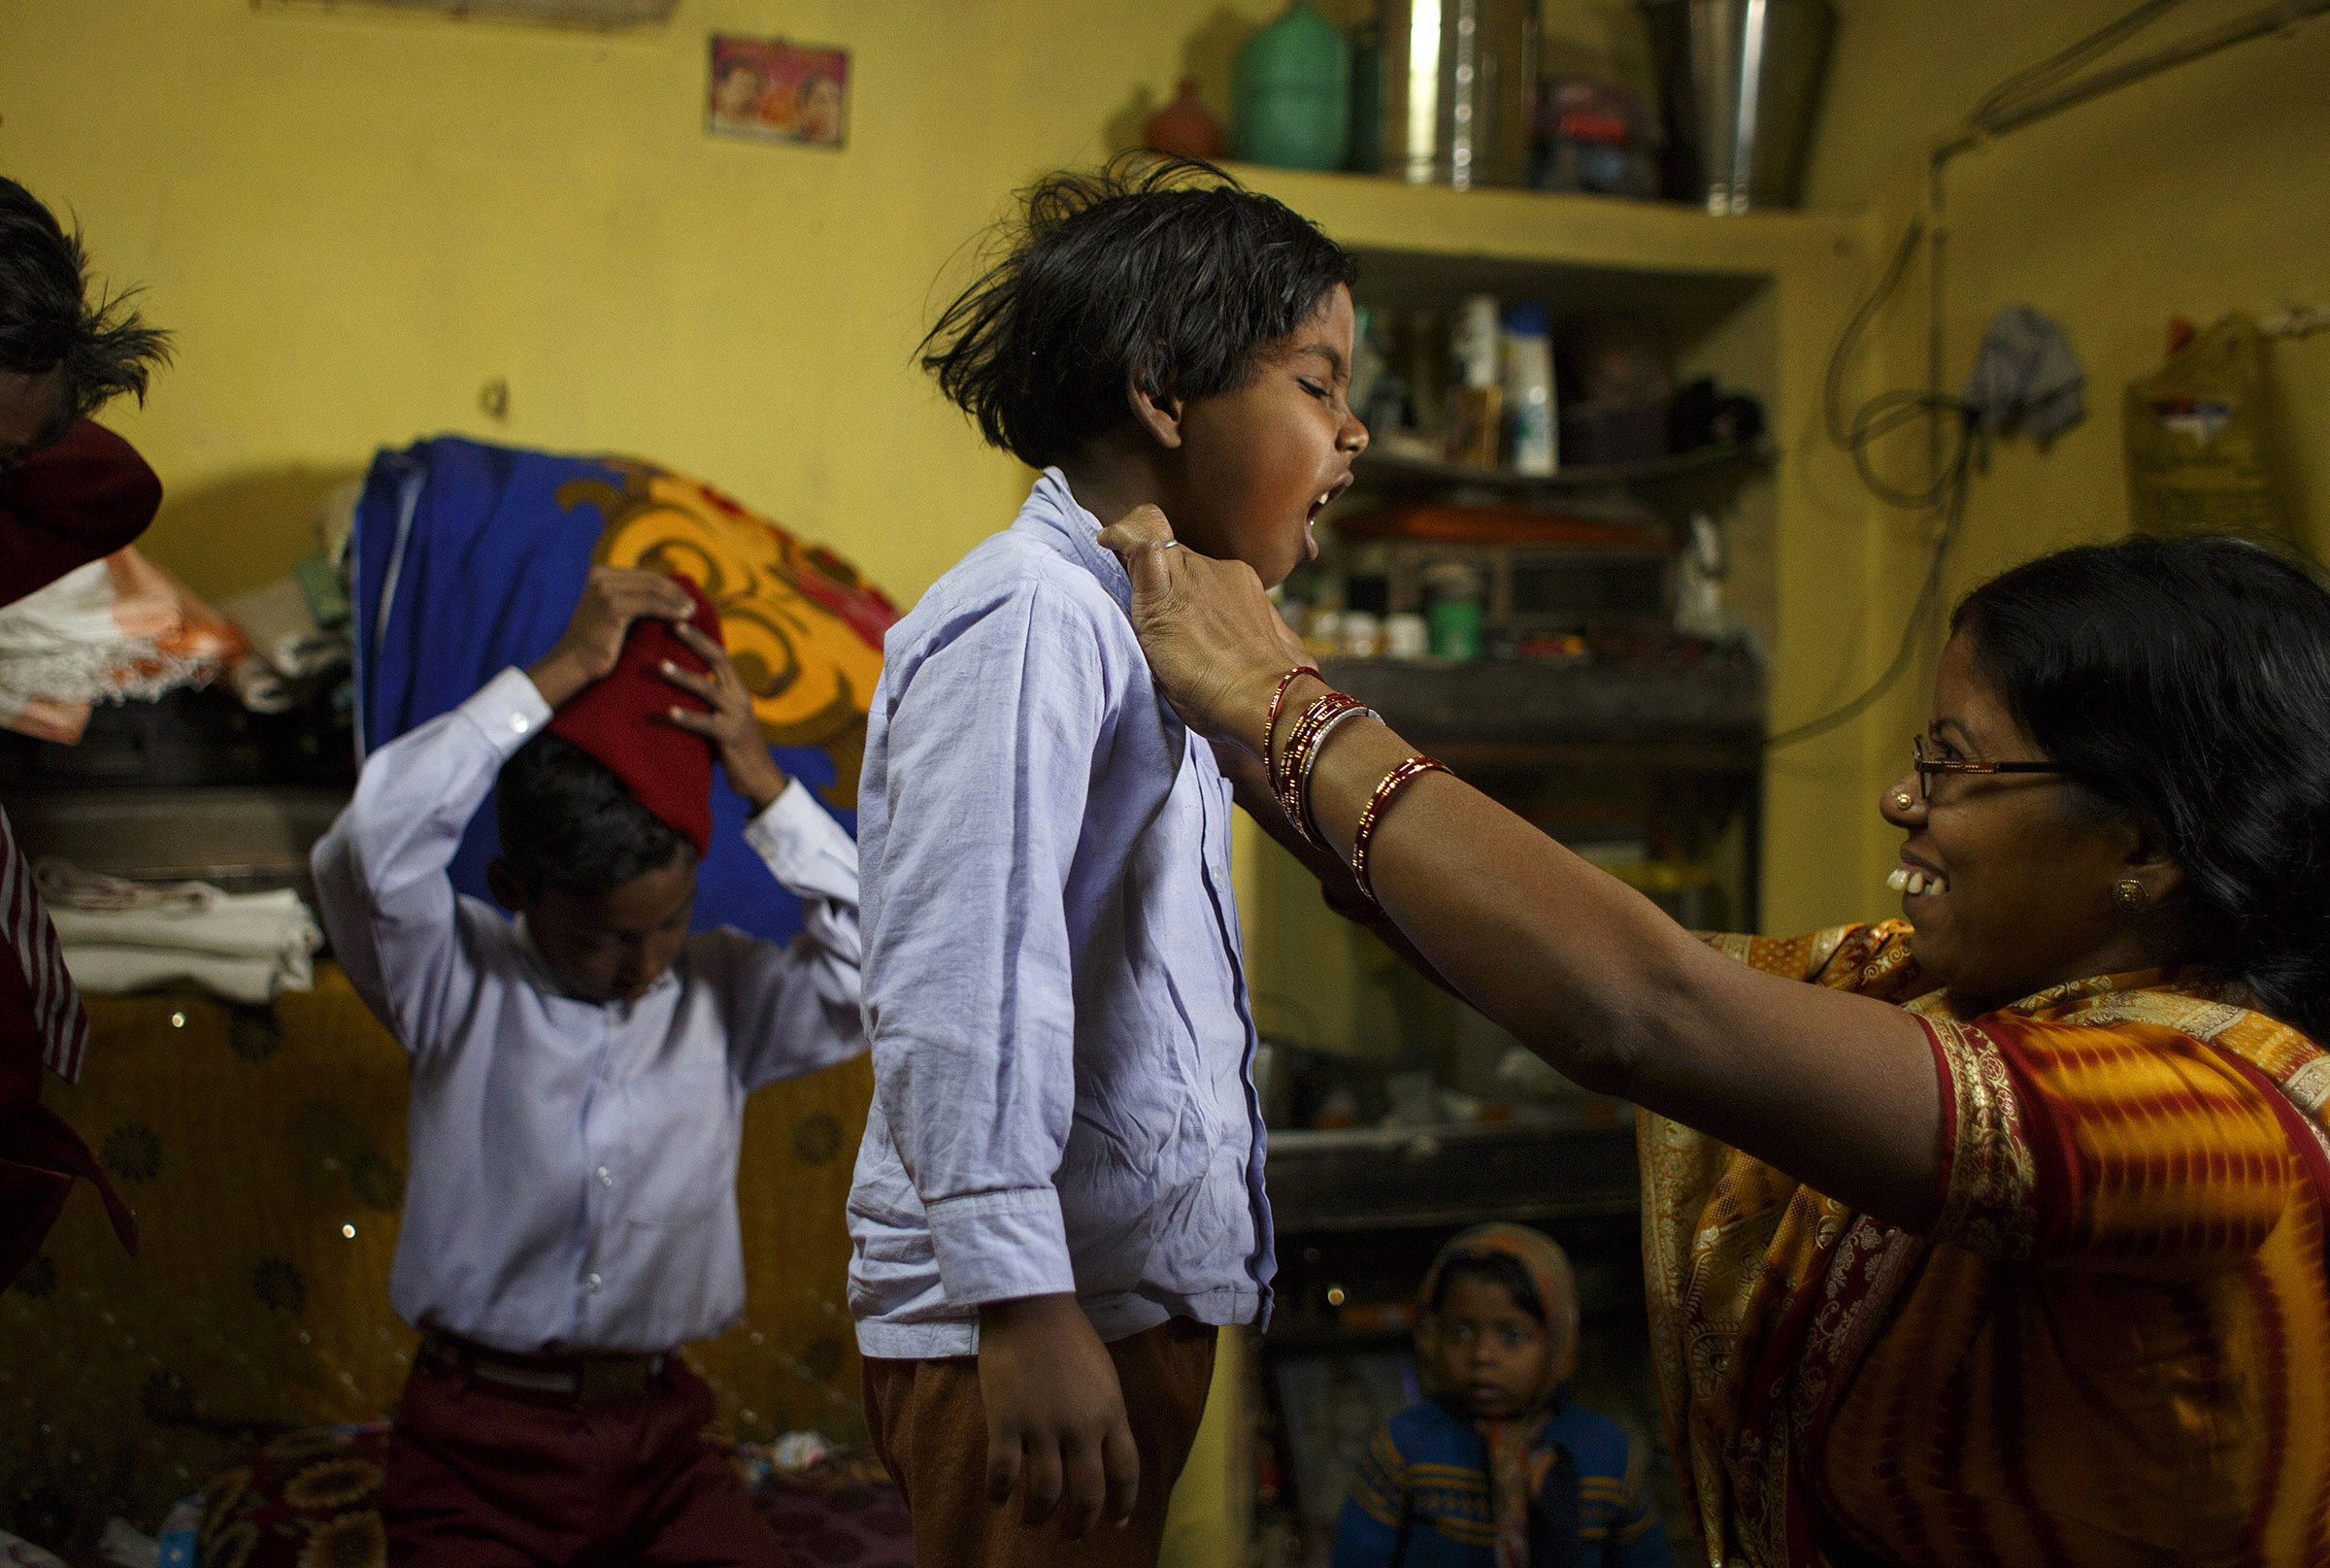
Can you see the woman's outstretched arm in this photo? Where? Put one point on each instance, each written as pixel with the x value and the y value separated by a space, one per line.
pixel 1838 1090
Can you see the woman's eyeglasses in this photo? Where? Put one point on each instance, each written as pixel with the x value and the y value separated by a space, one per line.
pixel 1929 766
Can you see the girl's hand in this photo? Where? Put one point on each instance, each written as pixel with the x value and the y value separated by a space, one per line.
pixel 1215 644
pixel 731 727
pixel 614 597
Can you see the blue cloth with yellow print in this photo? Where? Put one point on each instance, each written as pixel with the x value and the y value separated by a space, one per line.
pixel 468 558
pixel 1421 1498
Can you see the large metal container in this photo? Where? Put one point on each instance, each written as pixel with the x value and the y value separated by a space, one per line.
pixel 1742 80
pixel 1459 90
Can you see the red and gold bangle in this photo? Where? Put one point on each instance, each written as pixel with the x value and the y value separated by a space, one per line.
pixel 1277 700
pixel 1393 782
pixel 1294 761
pixel 1282 767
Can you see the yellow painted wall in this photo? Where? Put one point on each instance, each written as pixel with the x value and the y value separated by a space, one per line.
pixel 2196 193
pixel 353 218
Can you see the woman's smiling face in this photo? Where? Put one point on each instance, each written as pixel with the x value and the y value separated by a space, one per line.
pixel 2026 876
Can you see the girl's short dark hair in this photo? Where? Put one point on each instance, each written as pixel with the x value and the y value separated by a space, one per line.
pixel 567 821
pixel 1492 1268
pixel 47 320
pixel 2187 681
pixel 1164 275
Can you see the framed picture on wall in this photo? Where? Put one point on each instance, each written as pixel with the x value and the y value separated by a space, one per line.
pixel 771 91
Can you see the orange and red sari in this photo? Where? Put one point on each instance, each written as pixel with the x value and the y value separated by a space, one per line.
pixel 2113 1349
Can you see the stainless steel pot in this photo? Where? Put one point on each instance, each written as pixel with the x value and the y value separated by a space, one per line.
pixel 1742 80
pixel 1459 90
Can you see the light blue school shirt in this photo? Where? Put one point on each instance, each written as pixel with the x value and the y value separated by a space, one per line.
pixel 573 1182
pixel 1063 1045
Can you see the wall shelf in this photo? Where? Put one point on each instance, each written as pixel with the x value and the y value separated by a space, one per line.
pixel 1393 471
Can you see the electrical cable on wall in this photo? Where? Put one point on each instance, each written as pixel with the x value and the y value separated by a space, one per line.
pixel 1957 448
pixel 1957 453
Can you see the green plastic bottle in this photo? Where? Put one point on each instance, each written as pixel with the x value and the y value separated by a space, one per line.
pixel 1292 92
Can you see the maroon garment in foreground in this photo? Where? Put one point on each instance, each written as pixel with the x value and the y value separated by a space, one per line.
pixel 481 1475
pixel 70 504
pixel 66 506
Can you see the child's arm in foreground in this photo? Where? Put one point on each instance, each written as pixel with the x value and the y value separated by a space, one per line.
pixel 1372 1530
pixel 379 873
pixel 791 1008
pixel 971 1005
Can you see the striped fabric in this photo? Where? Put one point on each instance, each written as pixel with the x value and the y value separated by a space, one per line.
pixel 1420 1496
pixel 57 1023
pixel 2115 1347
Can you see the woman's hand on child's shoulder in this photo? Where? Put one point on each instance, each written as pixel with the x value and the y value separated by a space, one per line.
pixel 614 597
pixel 732 726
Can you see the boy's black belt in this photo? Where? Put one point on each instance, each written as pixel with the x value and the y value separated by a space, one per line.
pixel 590 1378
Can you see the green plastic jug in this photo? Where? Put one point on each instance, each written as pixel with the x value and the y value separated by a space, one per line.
pixel 1292 92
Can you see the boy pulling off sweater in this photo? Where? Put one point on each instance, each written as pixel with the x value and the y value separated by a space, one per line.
pixel 579 1081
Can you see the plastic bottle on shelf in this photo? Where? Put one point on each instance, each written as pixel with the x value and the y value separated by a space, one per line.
pixel 1292 83
pixel 1474 402
pixel 1455 591
pixel 1528 364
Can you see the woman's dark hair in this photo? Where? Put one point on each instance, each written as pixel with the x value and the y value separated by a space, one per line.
pixel 47 320
pixel 568 822
pixel 1491 1268
pixel 1161 274
pixel 2187 681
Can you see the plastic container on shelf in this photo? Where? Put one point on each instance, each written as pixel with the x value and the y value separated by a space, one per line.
pixel 1455 592
pixel 1292 90
pixel 1531 436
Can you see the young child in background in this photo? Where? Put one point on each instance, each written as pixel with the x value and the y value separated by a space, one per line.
pixel 1498 1469
pixel 1059 1196
pixel 579 1081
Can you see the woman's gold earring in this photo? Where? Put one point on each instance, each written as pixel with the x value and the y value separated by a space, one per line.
pixel 2131 895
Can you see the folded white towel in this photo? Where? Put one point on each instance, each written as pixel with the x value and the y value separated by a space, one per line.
pixel 245 947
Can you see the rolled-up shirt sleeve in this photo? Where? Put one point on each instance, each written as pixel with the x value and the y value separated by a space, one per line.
pixel 969 969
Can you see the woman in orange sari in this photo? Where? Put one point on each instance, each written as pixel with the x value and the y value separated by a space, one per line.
pixel 1990 1235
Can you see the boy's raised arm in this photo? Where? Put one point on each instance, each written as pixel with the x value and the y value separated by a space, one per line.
pixel 799 1007
pixel 381 885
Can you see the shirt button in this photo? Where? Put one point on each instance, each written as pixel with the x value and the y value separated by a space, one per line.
pixel 519 724
pixel 591 1282
pixel 605 1176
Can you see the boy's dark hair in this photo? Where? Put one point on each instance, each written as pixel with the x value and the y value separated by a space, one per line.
pixel 568 822
pixel 1492 1268
pixel 47 320
pixel 1161 274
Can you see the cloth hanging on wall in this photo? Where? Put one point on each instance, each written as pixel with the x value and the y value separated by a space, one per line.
pixel 467 559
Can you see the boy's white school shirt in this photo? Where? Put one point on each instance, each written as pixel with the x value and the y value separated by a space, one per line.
pixel 573 1164
pixel 1062 1041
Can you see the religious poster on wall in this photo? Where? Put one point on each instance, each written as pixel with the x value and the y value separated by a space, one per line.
pixel 772 90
